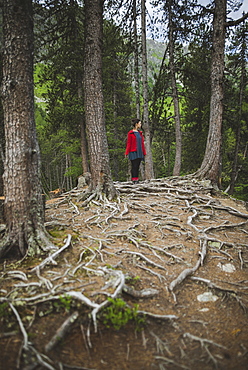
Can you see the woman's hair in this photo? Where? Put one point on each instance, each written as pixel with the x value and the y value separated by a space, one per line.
pixel 134 121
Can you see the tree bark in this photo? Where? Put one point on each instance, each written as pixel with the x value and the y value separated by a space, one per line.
pixel 93 99
pixel 210 166
pixel 235 167
pixel 84 146
pixel 148 159
pixel 136 60
pixel 23 207
pixel 178 133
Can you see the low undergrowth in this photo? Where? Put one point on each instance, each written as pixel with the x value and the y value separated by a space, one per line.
pixel 118 314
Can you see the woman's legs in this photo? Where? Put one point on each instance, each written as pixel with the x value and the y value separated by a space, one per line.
pixel 135 169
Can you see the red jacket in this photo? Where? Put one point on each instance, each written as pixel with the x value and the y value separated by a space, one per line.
pixel 132 144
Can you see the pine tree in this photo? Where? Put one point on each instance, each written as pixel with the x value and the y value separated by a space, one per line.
pixel 23 207
pixel 93 99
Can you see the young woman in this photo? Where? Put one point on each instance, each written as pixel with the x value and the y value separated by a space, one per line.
pixel 135 148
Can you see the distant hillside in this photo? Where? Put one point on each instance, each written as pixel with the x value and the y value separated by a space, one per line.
pixel 155 50
pixel 155 54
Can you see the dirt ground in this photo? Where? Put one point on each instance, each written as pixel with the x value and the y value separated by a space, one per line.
pixel 155 256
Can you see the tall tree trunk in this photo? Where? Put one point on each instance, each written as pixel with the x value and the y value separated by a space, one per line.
pixel 136 60
pixel 235 167
pixel 76 40
pixel 2 146
pixel 84 150
pixel 1 168
pixel 84 147
pixel 115 159
pixel 178 134
pixel 148 159
pixel 168 153
pixel 23 208
pixel 93 99
pixel 211 162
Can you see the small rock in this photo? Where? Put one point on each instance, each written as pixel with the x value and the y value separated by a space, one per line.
pixel 228 267
pixel 204 217
pixel 204 310
pixel 207 297
pixel 214 244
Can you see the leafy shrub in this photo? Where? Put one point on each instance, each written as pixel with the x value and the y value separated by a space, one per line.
pixel 118 314
pixel 63 303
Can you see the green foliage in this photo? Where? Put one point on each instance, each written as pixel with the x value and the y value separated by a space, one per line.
pixel 57 233
pixel 235 124
pixel 4 309
pixel 117 95
pixel 133 280
pixel 63 303
pixel 59 106
pixel 7 318
pixel 195 112
pixel 118 314
pixel 59 96
pixel 58 91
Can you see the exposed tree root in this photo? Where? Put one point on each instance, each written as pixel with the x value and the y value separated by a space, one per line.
pixel 27 346
pixel 185 273
pixel 5 246
pixel 29 243
pixel 204 344
pixel 170 361
pixel 232 292
pixel 183 220
pixel 156 316
pixel 51 259
pixel 144 293
pixel 62 331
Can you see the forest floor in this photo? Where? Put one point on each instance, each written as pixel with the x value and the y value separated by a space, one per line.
pixel 157 279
